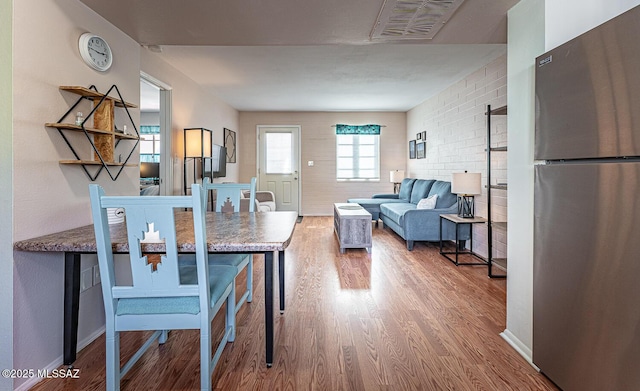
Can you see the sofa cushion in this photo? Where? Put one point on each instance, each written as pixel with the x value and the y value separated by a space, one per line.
pixel 372 205
pixel 420 190
pixel 445 197
pixel 405 188
pixel 396 211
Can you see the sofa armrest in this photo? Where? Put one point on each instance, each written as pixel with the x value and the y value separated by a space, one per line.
pixel 394 196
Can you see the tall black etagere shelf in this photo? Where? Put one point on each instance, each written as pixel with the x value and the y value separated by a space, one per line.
pixel 101 134
pixel 494 263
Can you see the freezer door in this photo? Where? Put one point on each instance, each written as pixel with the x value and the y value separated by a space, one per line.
pixel 588 94
pixel 586 281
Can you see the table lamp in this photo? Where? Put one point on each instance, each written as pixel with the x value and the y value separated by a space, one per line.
pixel 466 185
pixel 396 177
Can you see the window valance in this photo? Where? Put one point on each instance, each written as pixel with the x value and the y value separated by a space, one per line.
pixel 149 129
pixel 358 129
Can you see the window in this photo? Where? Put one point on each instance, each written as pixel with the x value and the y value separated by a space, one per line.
pixel 280 156
pixel 358 157
pixel 150 144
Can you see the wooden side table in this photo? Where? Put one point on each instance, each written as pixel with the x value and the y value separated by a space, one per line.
pixel 352 224
pixel 459 221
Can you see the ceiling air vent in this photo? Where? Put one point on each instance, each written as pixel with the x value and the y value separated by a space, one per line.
pixel 412 19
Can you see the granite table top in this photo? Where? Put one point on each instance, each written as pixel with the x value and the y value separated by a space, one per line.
pixel 226 232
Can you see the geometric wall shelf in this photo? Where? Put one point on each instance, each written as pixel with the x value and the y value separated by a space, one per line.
pixel 102 134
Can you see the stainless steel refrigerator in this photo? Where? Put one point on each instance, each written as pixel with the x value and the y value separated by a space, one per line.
pixel 586 282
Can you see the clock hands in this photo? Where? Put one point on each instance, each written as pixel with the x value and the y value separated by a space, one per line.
pixel 104 54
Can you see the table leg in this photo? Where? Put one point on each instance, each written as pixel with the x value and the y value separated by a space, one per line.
pixel 268 306
pixel 71 306
pixel 281 279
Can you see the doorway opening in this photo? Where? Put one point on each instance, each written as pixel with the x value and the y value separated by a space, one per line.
pixel 279 164
pixel 155 136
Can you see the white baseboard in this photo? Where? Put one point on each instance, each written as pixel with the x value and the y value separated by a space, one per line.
pixel 55 364
pixel 519 347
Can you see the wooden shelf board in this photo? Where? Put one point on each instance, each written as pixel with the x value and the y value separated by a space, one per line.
pixel 78 128
pixel 88 93
pixel 94 163
pixel 499 187
pixel 499 149
pixel 498 111
pixel 499 224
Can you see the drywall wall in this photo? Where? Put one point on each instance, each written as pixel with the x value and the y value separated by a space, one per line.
pixel 6 195
pixel 565 20
pixel 456 128
pixel 525 42
pixel 320 189
pixel 49 197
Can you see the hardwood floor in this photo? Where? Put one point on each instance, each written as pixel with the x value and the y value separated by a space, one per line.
pixel 389 320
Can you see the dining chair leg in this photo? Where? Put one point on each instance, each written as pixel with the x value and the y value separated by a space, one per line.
pixel 250 279
pixel 113 360
pixel 231 313
pixel 205 358
pixel 164 335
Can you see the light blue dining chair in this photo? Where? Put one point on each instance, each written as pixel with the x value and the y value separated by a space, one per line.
pixel 228 199
pixel 166 295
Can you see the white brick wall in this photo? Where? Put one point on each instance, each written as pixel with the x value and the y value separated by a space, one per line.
pixel 456 127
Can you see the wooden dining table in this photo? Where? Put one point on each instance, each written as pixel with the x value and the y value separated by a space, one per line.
pixel 268 233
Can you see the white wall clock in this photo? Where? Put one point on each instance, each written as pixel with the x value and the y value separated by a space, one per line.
pixel 95 51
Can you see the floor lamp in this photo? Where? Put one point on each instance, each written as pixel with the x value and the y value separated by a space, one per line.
pixel 198 144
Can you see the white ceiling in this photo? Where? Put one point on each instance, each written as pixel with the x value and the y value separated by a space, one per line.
pixel 294 55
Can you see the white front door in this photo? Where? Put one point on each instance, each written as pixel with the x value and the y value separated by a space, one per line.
pixel 279 164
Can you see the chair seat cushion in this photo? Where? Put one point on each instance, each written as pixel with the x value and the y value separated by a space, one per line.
pixel 220 276
pixel 239 261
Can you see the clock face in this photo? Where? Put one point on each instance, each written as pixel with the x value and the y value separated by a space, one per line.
pixel 95 51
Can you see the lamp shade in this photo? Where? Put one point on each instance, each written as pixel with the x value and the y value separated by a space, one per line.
pixel 396 176
pixel 197 142
pixel 466 183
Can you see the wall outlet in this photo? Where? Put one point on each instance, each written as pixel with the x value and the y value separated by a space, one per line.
pixel 96 274
pixel 86 280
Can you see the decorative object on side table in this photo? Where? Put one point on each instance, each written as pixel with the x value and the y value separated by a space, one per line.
pixel 396 177
pixel 412 149
pixel 466 185
pixel 230 144
pixel 420 150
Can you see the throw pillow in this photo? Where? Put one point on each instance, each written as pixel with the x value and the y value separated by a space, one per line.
pixel 428 203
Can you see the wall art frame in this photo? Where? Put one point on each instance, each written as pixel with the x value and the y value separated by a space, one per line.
pixel 421 150
pixel 412 149
pixel 230 145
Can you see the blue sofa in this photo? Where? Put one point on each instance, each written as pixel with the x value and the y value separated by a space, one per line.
pixel 399 211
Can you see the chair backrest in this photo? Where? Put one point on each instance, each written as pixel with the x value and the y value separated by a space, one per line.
pixel 228 195
pixel 151 279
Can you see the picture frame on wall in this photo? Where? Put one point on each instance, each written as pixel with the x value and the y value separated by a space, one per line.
pixel 412 149
pixel 424 135
pixel 420 150
pixel 230 145
pixel 418 136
